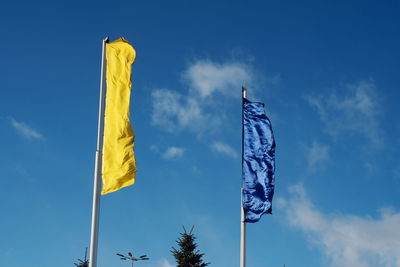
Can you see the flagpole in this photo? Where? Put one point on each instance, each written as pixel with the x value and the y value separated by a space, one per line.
pixel 242 217
pixel 97 171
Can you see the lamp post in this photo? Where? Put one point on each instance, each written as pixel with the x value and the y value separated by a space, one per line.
pixel 132 258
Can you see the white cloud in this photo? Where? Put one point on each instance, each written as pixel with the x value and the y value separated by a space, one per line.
pixel 154 148
pixel 355 111
pixel 225 149
pixel 346 240
pixel 206 77
pixel 173 153
pixel 165 263
pixel 25 130
pixel 173 111
pixel 316 155
pixel 195 109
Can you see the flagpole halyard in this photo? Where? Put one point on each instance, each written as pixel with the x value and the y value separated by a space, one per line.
pixel 242 215
pixel 97 172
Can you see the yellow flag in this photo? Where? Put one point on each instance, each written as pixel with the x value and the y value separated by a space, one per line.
pixel 119 165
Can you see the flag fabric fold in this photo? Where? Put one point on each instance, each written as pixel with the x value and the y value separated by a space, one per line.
pixel 118 165
pixel 258 162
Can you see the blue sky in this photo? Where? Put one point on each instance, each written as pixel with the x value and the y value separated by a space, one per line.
pixel 326 70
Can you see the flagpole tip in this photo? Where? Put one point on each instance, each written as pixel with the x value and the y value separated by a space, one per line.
pixel 106 39
pixel 244 92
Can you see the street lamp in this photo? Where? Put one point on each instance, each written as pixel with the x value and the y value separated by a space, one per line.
pixel 132 258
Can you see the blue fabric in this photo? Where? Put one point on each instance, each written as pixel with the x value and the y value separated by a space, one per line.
pixel 258 162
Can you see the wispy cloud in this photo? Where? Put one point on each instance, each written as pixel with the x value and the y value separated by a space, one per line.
pixel 206 77
pixel 346 240
pixel 355 110
pixel 195 110
pixel 25 130
pixel 317 154
pixel 173 111
pixel 225 149
pixel 173 153
pixel 154 148
pixel 165 263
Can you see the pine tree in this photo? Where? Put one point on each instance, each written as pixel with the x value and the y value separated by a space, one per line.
pixel 83 263
pixel 187 255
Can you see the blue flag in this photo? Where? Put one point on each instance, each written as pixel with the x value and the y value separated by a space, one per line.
pixel 258 162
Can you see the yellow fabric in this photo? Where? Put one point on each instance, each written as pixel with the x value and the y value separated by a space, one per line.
pixel 119 165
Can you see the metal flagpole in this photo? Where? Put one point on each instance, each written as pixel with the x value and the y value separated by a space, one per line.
pixel 242 217
pixel 242 239
pixel 97 171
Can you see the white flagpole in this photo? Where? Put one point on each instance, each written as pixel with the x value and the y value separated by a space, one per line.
pixel 97 171
pixel 242 217
pixel 242 239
